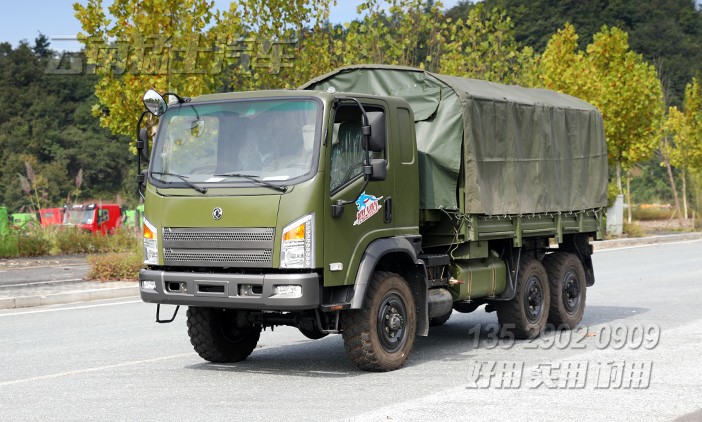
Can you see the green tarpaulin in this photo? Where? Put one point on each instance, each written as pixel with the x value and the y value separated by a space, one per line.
pixel 514 150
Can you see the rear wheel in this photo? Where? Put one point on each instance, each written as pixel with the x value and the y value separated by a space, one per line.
pixel 380 336
pixel 216 336
pixel 566 278
pixel 526 314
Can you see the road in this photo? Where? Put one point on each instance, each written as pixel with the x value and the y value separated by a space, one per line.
pixel 28 271
pixel 637 357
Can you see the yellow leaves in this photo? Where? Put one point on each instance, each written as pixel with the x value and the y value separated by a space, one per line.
pixel 686 130
pixel 618 81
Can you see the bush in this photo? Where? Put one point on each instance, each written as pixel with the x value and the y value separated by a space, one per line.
pixel 116 266
pixel 8 246
pixel 57 240
pixel 648 213
pixel 33 243
pixel 633 230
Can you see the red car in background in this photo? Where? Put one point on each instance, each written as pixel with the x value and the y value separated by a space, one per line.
pixel 50 216
pixel 95 218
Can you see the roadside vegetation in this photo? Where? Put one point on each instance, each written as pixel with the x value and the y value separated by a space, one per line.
pixel 114 257
pixel 56 240
pixel 123 266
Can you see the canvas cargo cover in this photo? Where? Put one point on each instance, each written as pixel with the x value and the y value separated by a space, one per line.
pixel 517 150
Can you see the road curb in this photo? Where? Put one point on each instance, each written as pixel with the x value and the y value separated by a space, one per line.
pixel 68 297
pixel 651 240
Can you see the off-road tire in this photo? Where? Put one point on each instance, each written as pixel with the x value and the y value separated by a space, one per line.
pixel 388 304
pixel 566 278
pixel 526 314
pixel 216 338
pixel 440 320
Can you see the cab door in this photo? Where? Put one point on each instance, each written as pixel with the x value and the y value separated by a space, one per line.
pixel 369 216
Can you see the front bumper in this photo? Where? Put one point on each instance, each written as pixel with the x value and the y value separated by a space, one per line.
pixel 236 291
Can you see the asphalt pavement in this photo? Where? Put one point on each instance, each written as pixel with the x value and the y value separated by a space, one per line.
pixel 41 281
pixel 30 282
pixel 635 357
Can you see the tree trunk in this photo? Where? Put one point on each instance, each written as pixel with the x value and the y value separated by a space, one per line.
pixel 684 194
pixel 628 197
pixel 672 180
pixel 619 177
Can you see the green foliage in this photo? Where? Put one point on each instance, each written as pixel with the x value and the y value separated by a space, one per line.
pixel 665 32
pixel 8 246
pixel 151 50
pixel 46 126
pixel 686 128
pixel 624 87
pixel 56 240
pixel 122 266
pixel 30 242
pixel 612 192
pixel 483 47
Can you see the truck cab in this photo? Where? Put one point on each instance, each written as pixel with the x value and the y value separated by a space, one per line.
pixel 94 218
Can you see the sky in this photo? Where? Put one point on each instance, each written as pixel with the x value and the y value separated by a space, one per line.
pixel 25 19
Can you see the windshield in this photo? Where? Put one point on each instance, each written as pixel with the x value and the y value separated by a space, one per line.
pixel 237 142
pixel 79 216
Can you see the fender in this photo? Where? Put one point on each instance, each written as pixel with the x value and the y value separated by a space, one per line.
pixel 409 245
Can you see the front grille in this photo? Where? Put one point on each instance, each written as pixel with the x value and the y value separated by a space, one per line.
pixel 251 235
pixel 216 247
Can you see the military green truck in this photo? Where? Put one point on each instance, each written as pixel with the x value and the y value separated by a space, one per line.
pixel 371 202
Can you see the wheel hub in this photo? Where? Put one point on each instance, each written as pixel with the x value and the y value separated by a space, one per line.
pixel 571 291
pixel 392 317
pixel 534 299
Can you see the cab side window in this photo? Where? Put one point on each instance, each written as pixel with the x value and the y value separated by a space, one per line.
pixel 347 147
pixel 347 153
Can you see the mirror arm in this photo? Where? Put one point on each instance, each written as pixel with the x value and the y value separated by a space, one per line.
pixel 338 208
pixel 180 99
pixel 140 147
pixel 365 128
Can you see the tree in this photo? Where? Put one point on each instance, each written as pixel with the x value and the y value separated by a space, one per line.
pixel 161 44
pixel 668 32
pixel 45 122
pixel 284 43
pixel 686 128
pixel 483 47
pixel 625 89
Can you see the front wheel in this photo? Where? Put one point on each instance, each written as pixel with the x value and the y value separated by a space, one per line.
pixel 217 337
pixel 380 336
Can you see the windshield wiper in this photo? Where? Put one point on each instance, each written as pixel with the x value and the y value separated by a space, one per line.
pixel 184 179
pixel 254 179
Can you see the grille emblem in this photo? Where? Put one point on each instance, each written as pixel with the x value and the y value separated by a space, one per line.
pixel 217 213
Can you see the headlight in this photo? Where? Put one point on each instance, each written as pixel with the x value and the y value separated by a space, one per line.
pixel 297 244
pixel 150 243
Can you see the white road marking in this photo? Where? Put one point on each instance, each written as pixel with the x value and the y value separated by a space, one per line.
pixel 41 311
pixel 95 369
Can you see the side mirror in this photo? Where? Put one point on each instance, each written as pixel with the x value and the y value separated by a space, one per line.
pixel 380 170
pixel 376 120
pixel 155 103
pixel 143 143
